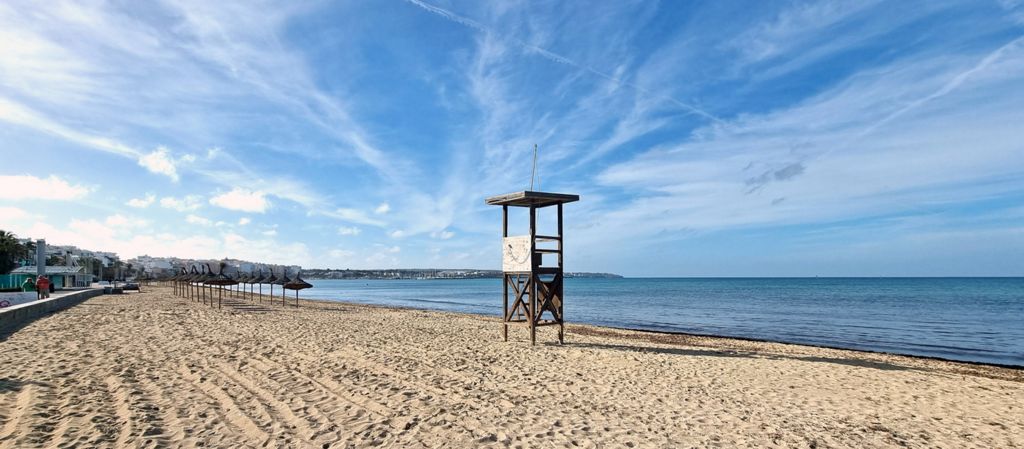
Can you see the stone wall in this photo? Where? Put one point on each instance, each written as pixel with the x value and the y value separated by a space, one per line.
pixel 21 314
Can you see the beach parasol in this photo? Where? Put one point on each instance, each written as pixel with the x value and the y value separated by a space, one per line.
pixel 252 280
pixel 191 279
pixel 179 281
pixel 244 279
pixel 282 281
pixel 220 280
pixel 271 280
pixel 176 281
pixel 200 281
pixel 259 280
pixel 297 284
pixel 239 282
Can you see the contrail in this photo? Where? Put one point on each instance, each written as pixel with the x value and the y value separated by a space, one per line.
pixel 555 57
pixel 950 85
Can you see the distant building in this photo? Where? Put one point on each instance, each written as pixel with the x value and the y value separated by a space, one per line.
pixel 60 276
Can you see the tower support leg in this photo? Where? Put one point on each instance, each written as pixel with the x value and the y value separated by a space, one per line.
pixel 504 315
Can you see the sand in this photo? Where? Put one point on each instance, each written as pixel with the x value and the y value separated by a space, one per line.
pixel 154 370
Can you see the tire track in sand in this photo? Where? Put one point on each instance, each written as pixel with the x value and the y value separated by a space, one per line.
pixel 174 428
pixel 72 428
pixel 386 379
pixel 35 424
pixel 14 416
pixel 230 410
pixel 282 410
pixel 122 409
pixel 358 398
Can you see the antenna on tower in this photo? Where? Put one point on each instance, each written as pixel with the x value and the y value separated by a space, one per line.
pixel 534 174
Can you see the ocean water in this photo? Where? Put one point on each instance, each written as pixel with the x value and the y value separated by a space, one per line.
pixel 967 319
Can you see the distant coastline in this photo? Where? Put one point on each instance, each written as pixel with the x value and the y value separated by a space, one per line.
pixel 428 273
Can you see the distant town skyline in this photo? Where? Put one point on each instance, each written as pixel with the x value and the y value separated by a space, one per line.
pixel 805 138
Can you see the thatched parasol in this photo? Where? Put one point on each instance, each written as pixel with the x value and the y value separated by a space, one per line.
pixel 176 281
pixel 297 284
pixel 259 280
pixel 282 281
pixel 239 282
pixel 207 275
pixel 252 280
pixel 179 281
pixel 271 280
pixel 244 279
pixel 220 280
pixel 190 280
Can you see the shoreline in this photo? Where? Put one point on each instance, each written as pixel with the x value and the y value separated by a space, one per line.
pixel 723 338
pixel 837 348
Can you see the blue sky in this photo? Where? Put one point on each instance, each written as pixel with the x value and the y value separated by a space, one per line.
pixel 705 138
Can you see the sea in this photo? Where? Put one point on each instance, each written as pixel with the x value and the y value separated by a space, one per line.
pixel 964 319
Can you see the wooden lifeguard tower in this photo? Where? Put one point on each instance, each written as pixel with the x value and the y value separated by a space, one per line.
pixel 535 283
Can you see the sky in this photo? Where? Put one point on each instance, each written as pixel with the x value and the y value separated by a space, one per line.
pixel 806 138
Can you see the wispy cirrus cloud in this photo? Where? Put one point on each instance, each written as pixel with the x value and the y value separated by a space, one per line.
pixel 552 56
pixel 29 187
pixel 841 154
pixel 228 38
pixel 356 216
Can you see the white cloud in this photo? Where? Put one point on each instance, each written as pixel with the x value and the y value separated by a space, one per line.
pixel 160 162
pixel 269 232
pixel 12 213
pixel 184 204
pixel 355 216
pixel 241 199
pixel 116 220
pixel 349 230
pixel 266 250
pixel 127 243
pixel 142 203
pixel 244 221
pixel 24 187
pixel 197 220
pixel 383 256
pixel 443 235
pixel 121 221
pixel 340 253
pixel 397 234
pixel 382 209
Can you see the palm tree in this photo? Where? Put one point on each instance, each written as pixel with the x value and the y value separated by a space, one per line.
pixel 29 248
pixel 117 269
pixel 10 252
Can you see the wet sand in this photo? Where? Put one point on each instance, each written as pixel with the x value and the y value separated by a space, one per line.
pixel 155 370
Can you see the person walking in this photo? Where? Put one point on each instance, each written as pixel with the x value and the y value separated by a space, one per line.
pixel 43 287
pixel 29 285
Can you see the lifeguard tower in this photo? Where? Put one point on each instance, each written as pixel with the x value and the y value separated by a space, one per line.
pixel 534 281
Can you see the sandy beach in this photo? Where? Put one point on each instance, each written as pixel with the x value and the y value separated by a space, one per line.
pixel 155 370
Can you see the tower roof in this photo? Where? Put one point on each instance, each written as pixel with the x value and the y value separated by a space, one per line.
pixel 529 198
